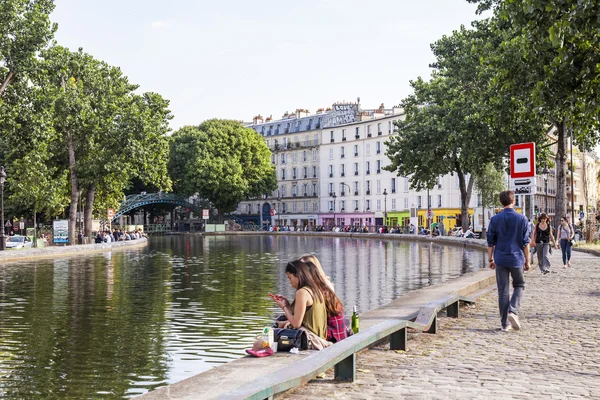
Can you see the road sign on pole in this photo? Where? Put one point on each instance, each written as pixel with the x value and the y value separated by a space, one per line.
pixel 205 213
pixel 273 212
pixel 111 213
pixel 522 160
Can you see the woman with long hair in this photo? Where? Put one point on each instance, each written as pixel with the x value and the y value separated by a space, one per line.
pixel 311 258
pixel 313 302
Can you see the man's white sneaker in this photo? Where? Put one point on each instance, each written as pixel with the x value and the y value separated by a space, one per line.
pixel 506 328
pixel 514 321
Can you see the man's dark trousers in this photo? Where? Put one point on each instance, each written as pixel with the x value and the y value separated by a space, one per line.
pixel 505 302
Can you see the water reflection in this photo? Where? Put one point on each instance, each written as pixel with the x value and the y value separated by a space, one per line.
pixel 120 324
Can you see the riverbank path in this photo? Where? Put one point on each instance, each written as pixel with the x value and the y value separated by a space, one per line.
pixel 556 354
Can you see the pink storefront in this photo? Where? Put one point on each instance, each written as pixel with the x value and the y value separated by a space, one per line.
pixel 347 219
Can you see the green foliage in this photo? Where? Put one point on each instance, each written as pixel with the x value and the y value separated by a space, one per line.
pixel 490 182
pixel 25 29
pixel 221 161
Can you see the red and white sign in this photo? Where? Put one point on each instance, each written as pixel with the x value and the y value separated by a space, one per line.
pixel 522 160
pixel 111 213
pixel 272 212
pixel 205 213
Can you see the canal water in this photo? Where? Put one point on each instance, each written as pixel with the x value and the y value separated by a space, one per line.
pixel 119 324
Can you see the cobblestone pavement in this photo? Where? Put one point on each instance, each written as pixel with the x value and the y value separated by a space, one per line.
pixel 556 355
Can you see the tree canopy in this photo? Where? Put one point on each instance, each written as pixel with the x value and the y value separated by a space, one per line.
pixel 221 161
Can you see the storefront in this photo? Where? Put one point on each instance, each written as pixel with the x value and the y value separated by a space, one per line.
pixel 346 219
pixel 298 221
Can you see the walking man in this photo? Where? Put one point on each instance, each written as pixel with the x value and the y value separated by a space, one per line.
pixel 508 250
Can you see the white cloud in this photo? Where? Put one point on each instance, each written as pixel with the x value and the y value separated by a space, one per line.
pixel 158 24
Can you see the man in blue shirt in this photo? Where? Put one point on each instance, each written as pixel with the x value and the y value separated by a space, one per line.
pixel 508 247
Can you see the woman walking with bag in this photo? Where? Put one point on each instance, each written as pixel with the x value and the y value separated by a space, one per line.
pixel 565 238
pixel 542 237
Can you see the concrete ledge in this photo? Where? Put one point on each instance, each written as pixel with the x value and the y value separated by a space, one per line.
pixel 589 251
pixel 449 240
pixel 62 251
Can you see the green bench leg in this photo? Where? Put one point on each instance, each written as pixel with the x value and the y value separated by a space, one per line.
pixel 433 327
pixel 398 340
pixel 452 310
pixel 345 370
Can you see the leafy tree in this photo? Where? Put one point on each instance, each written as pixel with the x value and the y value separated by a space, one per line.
pixel 549 54
pixel 490 182
pixel 25 29
pixel 221 161
pixel 447 128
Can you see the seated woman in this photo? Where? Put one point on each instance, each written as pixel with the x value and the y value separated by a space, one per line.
pixel 314 300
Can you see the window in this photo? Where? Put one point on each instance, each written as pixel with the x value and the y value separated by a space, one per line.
pixel 343 205
pixel 294 173
pixel 356 188
pixel 419 202
pixel 305 189
pixel 406 203
pixel 378 163
pixel 439 200
pixel 314 189
pixel 249 209
pixel 273 159
pixel 342 152
pixel 368 149
pixel 283 174
pixel 378 204
pixel 343 135
pixel 283 208
pixel 343 171
pixel 393 185
pixel 330 189
pixel 304 156
pixel 378 186
pixel 357 135
pixel 315 207
pixel 368 204
pixel 389 126
pixel 406 184
pixel 305 170
pixel 378 147
pixel 368 167
pixel 368 187
pixel 282 191
pixel 294 157
pixel 294 207
pixel 355 168
pixel 355 150
pixel 294 190
pixel 331 138
pixel 439 182
pixel 283 158
pixel 379 129
pixel 314 155
pixel 305 207
pixel 331 205
pixel 314 172
pixel 368 130
pixel 331 154
pixel 393 204
pixel 331 171
pixel 356 205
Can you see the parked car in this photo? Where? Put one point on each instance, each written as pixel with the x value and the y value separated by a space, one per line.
pixel 18 242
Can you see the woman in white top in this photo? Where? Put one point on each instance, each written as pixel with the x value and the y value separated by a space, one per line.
pixel 565 235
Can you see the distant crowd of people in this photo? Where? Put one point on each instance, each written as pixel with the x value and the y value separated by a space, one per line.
pixel 118 235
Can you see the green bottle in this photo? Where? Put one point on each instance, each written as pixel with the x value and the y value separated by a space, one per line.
pixel 355 320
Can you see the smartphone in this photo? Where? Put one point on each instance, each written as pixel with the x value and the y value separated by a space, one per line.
pixel 272 296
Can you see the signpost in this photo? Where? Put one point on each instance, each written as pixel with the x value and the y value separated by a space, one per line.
pixel 110 214
pixel 522 170
pixel 205 213
pixel 273 212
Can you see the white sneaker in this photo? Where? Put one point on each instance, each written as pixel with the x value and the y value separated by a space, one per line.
pixel 514 321
pixel 506 328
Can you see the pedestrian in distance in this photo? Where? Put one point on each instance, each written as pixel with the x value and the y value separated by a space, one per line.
pixel 543 239
pixel 566 233
pixel 508 250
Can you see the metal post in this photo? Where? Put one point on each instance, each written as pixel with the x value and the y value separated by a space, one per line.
pixel 428 208
pixel 546 195
pixel 334 197
pixel 2 237
pixel 572 183
pixel 385 223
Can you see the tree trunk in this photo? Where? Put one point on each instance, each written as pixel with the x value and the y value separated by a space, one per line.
pixel 466 189
pixel 9 77
pixel 89 207
pixel 561 173
pixel 74 191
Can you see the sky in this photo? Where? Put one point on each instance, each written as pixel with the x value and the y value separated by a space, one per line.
pixel 239 58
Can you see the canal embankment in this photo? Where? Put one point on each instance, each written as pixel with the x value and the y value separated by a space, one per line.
pixel 227 379
pixel 65 251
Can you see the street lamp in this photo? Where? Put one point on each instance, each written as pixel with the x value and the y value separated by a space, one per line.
pixel 385 206
pixel 545 173
pixel 2 237
pixel 334 197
